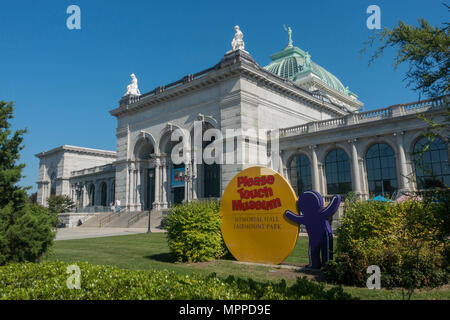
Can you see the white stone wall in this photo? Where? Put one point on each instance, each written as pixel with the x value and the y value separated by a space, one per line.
pixel 63 161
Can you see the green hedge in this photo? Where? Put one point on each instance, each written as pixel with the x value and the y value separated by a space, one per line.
pixel 406 240
pixel 47 280
pixel 194 231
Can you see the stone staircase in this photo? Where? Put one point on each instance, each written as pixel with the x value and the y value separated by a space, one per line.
pixel 96 220
pixel 125 219
pixel 156 218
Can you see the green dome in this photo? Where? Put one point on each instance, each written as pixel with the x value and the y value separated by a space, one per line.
pixel 292 62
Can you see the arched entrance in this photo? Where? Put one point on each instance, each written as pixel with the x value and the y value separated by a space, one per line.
pixel 143 175
pixel 174 187
pixel 208 174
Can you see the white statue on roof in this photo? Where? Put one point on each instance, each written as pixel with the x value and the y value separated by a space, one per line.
pixel 238 43
pixel 132 88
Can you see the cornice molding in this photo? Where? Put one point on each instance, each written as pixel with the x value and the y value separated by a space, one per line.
pixel 80 150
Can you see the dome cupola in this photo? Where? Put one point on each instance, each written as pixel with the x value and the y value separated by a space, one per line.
pixel 294 64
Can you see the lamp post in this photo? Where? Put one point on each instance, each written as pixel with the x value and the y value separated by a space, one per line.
pixel 151 176
pixel 189 177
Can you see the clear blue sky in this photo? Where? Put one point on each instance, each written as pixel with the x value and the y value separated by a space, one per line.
pixel 64 82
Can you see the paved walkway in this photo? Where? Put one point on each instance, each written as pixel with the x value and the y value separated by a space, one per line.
pixel 83 233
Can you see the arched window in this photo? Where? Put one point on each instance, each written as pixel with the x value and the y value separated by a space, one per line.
pixel 300 173
pixel 91 195
pixel 104 194
pixel 381 171
pixel 337 171
pixel 53 184
pixel 431 163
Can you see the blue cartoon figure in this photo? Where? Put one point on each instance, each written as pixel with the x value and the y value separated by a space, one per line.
pixel 315 217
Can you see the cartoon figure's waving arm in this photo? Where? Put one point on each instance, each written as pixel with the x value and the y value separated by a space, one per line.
pixel 329 210
pixel 294 217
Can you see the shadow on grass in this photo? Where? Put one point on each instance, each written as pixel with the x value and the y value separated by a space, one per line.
pixel 311 274
pixel 228 256
pixel 162 257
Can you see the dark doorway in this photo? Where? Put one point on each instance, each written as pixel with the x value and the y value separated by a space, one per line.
pixel 103 194
pixel 150 194
pixel 211 180
pixel 211 175
pixel 178 195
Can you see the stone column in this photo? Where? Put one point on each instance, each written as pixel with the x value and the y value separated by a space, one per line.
pixel 129 196
pixel 132 188
pixel 157 184
pixel 142 191
pixel 83 196
pixel 322 179
pixel 165 184
pixel 403 171
pixel 139 189
pixel 355 168
pixel 284 170
pixel 315 169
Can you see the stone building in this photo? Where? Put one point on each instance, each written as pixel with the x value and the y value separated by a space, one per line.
pixel 326 142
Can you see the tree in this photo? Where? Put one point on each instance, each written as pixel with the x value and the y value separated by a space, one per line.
pixel 26 230
pixel 59 204
pixel 425 48
pixel 33 198
pixel 10 171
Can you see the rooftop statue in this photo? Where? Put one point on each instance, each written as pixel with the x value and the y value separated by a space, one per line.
pixel 289 31
pixel 132 88
pixel 238 43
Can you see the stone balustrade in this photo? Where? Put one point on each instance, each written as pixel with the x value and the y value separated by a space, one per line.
pixel 368 116
pixel 98 169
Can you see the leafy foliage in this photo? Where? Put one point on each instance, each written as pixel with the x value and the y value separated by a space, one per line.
pixel 406 240
pixel 48 280
pixel 425 48
pixel 194 231
pixel 29 236
pixel 25 229
pixel 10 147
pixel 60 204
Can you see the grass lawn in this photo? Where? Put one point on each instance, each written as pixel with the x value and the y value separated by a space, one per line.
pixel 150 251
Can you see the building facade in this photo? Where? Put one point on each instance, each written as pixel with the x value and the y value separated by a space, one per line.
pixel 326 142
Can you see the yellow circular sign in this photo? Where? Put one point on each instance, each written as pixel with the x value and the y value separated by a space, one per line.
pixel 254 227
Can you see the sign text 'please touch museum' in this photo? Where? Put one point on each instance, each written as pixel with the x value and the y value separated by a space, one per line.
pixel 254 227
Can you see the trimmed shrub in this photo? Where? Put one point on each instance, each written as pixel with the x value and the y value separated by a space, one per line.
pixel 26 233
pixel 406 240
pixel 48 281
pixel 194 231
